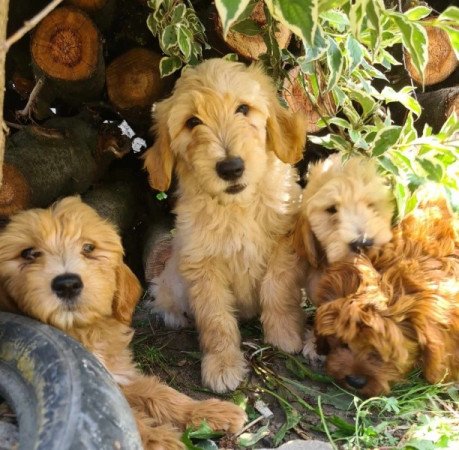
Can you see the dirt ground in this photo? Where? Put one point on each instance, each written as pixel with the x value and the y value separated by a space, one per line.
pixel 276 381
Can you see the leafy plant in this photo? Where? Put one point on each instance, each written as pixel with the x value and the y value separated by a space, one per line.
pixel 180 33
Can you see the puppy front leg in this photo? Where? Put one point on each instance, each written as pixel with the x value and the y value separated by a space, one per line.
pixel 163 405
pixel 223 364
pixel 280 296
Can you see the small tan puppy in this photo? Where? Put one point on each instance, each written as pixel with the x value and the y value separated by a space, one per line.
pixel 347 209
pixel 230 143
pixel 64 266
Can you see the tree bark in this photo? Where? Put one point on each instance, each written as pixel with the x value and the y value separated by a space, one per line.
pixel 134 83
pixel 441 63
pixel 67 50
pixel 294 93
pixel 3 23
pixel 63 157
pixel 437 106
pixel 101 11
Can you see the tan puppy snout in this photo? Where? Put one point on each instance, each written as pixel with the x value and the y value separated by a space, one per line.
pixel 67 287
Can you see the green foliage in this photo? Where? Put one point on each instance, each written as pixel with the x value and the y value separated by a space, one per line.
pixel 180 33
pixel 344 51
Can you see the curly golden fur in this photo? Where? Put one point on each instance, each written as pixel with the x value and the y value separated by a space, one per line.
pixel 397 308
pixel 230 143
pixel 64 266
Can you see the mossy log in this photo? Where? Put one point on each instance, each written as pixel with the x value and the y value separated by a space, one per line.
pixel 252 47
pixel 63 157
pixel 134 84
pixel 437 106
pixel 294 93
pixel 66 50
pixel 441 63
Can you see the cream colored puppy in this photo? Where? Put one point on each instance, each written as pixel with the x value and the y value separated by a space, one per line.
pixel 346 209
pixel 231 144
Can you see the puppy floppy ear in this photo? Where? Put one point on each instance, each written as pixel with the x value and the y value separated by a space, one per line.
pixel 305 243
pixel 286 132
pixel 159 160
pixel 127 294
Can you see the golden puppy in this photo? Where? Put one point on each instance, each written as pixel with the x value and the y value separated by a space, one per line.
pixel 396 308
pixel 346 210
pixel 64 266
pixel 230 143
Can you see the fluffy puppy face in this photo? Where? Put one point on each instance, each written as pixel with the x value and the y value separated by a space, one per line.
pixel 221 128
pixel 347 209
pixel 64 266
pixel 368 345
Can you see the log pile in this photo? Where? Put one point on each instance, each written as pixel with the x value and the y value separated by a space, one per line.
pixel 90 65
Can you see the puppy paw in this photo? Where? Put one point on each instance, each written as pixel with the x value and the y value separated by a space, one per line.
pixel 220 415
pixel 309 352
pixel 285 339
pixel 223 372
pixel 163 437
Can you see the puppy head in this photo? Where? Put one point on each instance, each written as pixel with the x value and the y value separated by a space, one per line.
pixel 64 266
pixel 346 210
pixel 221 128
pixel 368 346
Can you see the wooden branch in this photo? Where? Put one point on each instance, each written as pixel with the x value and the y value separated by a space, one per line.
pixel 29 24
pixel 3 22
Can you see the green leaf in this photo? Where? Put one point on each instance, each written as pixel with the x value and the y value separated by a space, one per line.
pixel 332 142
pixel 184 39
pixel 354 53
pixel 403 97
pixel 168 37
pixel 453 34
pixel 292 419
pixel 161 196
pixel 418 12
pixel 367 102
pixel 315 51
pixel 336 18
pixel 152 24
pixel 414 39
pixel 388 165
pixel 250 439
pixel 299 16
pixel 178 13
pixel 229 11
pixel 168 65
pixel 385 139
pixel 401 196
pixel 434 171
pixel 247 27
pixel 450 13
pixel 335 63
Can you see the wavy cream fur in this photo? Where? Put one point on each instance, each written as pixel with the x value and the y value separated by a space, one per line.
pixel 233 255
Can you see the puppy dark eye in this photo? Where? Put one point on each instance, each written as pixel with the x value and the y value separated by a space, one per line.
pixel 332 210
pixel 243 109
pixel 193 122
pixel 30 254
pixel 88 248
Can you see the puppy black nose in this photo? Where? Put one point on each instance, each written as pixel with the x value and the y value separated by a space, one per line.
pixel 356 381
pixel 361 244
pixel 67 286
pixel 230 168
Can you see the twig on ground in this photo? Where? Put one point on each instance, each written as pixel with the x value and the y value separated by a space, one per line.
pixel 32 97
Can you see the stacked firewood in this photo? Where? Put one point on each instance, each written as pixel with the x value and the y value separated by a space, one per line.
pixel 80 86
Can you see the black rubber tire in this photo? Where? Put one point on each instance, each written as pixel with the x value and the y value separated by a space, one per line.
pixel 62 396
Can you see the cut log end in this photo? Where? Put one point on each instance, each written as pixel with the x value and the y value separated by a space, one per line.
pixel 133 79
pixel 441 63
pixel 14 193
pixel 252 47
pixel 66 45
pixel 298 100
